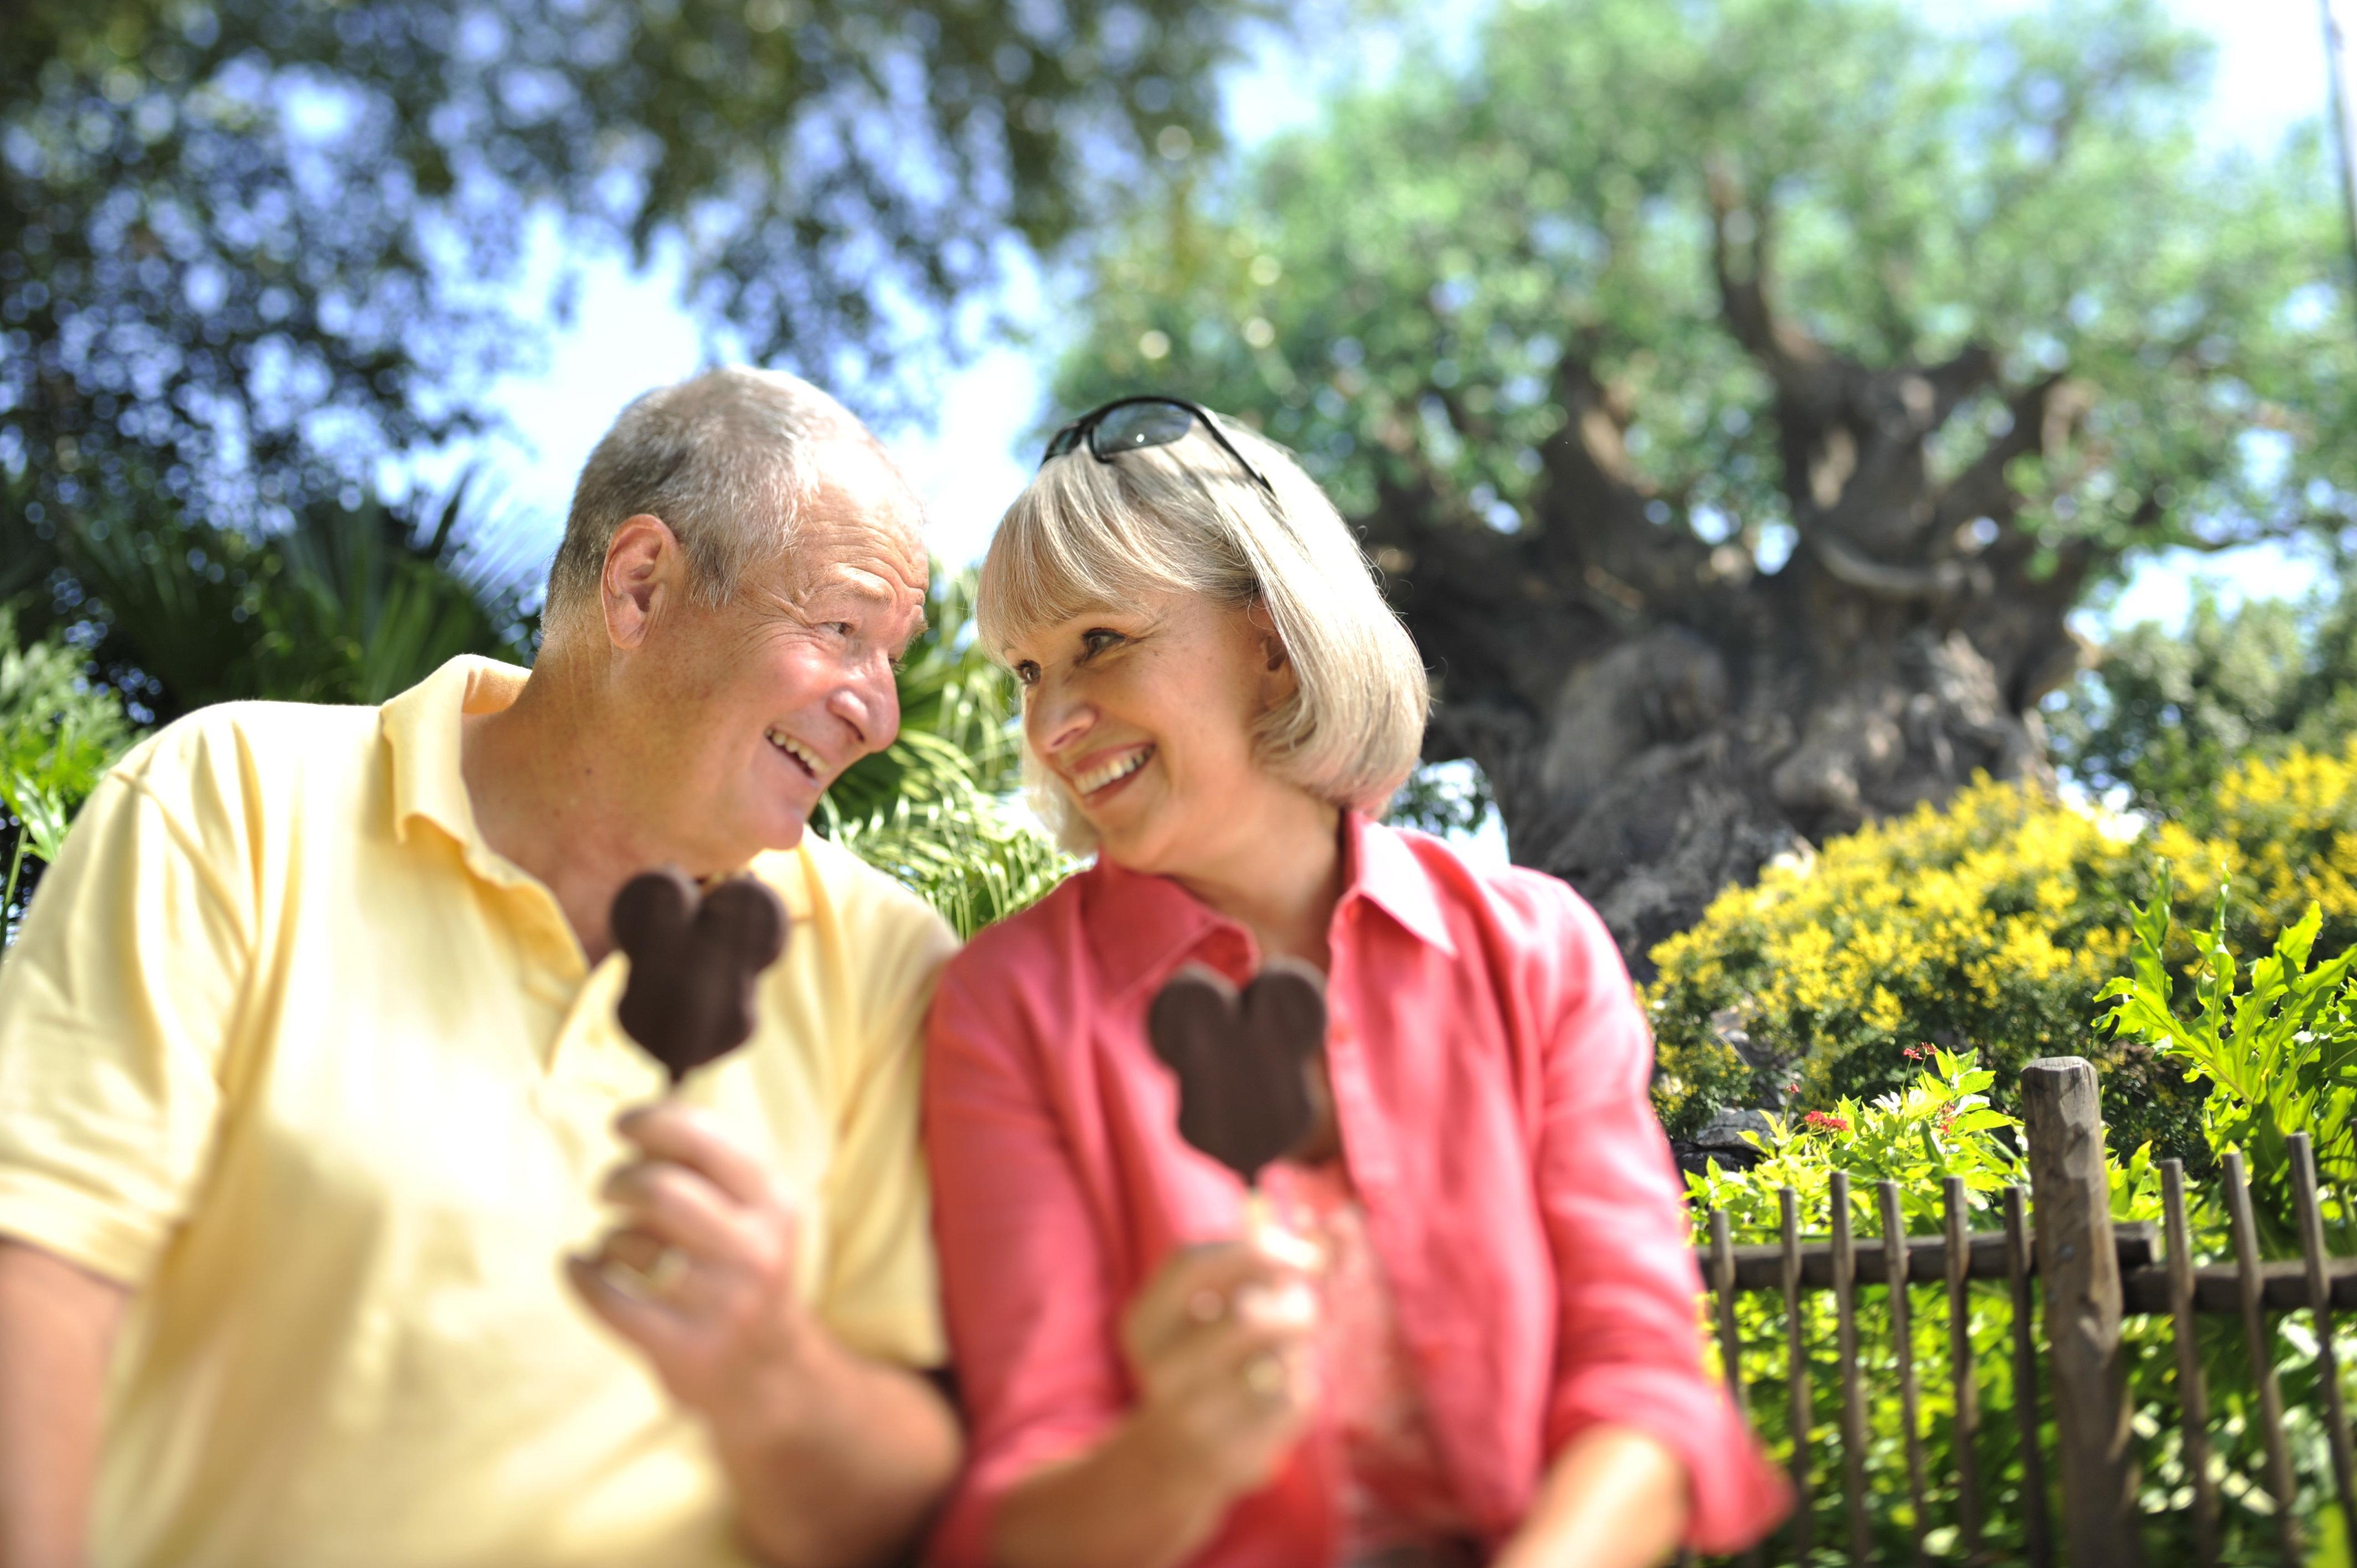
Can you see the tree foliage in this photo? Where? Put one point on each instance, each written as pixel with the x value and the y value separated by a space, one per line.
pixel 2164 714
pixel 237 235
pixel 344 603
pixel 1736 396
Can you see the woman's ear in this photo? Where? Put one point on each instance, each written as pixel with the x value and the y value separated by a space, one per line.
pixel 1272 646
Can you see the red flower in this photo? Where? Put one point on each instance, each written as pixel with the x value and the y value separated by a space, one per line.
pixel 1920 1053
pixel 1825 1122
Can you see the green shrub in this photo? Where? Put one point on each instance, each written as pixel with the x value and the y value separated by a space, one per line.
pixel 1990 926
pixel 1942 1123
pixel 1987 927
pixel 58 734
pixel 2278 1051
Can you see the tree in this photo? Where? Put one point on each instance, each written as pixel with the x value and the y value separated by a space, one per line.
pixel 2164 716
pixel 1738 396
pixel 246 246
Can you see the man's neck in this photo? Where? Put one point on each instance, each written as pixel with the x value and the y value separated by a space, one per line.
pixel 552 793
pixel 1280 879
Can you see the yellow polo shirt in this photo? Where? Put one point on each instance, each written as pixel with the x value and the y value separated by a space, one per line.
pixel 289 1049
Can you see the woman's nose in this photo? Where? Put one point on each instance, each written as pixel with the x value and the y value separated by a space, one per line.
pixel 1056 717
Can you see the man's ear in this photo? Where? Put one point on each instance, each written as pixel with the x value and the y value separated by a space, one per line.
pixel 644 575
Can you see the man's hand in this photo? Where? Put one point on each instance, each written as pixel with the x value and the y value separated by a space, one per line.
pixel 835 1460
pixel 57 1329
pixel 700 1275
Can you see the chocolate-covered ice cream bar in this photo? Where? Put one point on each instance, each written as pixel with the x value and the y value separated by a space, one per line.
pixel 1251 1084
pixel 694 959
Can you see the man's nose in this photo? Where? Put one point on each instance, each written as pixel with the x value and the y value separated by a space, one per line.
pixel 870 704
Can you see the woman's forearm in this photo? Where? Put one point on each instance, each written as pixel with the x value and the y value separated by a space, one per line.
pixel 1126 1503
pixel 1614 1498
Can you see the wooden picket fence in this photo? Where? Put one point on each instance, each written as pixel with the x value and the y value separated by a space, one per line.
pixel 2092 1275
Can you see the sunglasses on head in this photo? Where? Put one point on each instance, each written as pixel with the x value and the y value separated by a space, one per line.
pixel 1132 424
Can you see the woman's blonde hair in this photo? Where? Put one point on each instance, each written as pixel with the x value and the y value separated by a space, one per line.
pixel 1185 517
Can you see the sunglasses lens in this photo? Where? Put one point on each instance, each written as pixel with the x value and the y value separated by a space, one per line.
pixel 1142 425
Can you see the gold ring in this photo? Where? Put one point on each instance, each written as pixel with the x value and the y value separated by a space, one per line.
pixel 658 1281
pixel 1264 1375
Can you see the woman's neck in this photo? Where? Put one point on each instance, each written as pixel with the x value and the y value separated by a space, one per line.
pixel 1280 879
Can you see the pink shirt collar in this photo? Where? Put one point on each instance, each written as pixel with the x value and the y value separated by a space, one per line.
pixel 1161 923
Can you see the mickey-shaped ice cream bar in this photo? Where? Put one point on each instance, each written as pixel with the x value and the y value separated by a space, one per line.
pixel 1250 1086
pixel 693 961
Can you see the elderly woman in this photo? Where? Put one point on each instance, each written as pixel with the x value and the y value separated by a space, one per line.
pixel 1483 1346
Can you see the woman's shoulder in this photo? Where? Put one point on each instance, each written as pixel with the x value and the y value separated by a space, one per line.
pixel 1018 944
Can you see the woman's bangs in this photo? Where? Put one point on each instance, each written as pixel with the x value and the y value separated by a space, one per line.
pixel 1071 543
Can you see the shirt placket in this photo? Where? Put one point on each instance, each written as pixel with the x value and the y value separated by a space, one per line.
pixel 1368 1136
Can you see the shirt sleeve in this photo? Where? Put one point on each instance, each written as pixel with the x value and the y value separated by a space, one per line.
pixel 1617 1221
pixel 882 1295
pixel 1025 1278
pixel 116 1004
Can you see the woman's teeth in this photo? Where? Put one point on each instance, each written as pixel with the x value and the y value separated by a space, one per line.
pixel 796 750
pixel 1120 767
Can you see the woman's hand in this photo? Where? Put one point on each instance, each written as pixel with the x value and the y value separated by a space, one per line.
pixel 1221 1344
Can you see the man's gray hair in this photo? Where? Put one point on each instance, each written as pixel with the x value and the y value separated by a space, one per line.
pixel 726 459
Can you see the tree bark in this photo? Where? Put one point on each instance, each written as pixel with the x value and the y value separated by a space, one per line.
pixel 1658 715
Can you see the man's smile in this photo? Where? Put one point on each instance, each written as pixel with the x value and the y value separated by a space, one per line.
pixel 801 755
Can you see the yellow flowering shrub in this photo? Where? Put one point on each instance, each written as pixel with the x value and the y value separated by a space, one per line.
pixel 1987 925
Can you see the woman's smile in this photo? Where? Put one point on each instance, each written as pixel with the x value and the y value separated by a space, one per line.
pixel 1105 775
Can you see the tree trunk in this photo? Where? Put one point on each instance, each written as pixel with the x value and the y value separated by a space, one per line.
pixel 1659 718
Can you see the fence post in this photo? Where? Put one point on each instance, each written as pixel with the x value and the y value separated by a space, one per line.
pixel 2080 1263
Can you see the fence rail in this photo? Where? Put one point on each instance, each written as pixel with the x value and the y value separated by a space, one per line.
pixel 2073 1280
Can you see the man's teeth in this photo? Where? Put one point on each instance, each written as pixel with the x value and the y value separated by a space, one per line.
pixel 797 750
pixel 1096 779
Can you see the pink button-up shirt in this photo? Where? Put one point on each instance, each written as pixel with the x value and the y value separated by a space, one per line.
pixel 1490 1065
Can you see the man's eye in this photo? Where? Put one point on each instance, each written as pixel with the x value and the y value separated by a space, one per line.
pixel 840 627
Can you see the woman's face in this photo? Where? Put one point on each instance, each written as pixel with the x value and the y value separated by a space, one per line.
pixel 1145 715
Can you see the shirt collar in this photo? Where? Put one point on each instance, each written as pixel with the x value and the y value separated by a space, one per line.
pixel 1141 926
pixel 1388 873
pixel 420 730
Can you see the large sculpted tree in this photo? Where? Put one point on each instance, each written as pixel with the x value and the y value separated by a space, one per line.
pixel 1738 396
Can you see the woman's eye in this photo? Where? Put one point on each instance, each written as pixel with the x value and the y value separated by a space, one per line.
pixel 1097 640
pixel 1028 673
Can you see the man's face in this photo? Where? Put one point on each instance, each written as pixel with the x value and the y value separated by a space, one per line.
pixel 749 710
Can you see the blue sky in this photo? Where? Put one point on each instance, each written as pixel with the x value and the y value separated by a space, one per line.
pixel 630 333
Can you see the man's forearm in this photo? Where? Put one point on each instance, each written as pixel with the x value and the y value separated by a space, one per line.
pixel 57 1329
pixel 836 1461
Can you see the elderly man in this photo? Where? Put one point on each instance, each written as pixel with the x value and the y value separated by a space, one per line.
pixel 309 1080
